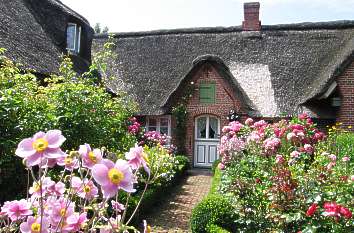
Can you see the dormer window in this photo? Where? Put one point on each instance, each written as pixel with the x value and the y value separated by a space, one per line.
pixel 73 36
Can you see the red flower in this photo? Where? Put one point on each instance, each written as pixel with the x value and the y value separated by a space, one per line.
pixel 311 210
pixel 304 116
pixel 345 212
pixel 331 209
pixel 297 127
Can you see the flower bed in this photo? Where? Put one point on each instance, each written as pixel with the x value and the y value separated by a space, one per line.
pixel 287 176
pixel 92 192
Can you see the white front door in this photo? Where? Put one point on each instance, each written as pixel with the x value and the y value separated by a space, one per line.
pixel 207 131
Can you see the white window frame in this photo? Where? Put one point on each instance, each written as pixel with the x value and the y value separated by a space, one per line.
pixel 207 129
pixel 77 38
pixel 158 123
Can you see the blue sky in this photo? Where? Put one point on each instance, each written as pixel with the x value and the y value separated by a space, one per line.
pixel 142 15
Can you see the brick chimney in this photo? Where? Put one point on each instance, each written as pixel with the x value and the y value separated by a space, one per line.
pixel 251 13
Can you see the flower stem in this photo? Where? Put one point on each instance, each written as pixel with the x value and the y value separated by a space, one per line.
pixel 137 206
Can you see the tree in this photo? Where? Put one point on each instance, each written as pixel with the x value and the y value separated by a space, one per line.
pixel 98 29
pixel 105 29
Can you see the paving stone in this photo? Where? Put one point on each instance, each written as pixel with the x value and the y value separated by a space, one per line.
pixel 173 215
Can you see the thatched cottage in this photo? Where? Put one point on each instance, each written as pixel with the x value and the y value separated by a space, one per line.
pixel 253 70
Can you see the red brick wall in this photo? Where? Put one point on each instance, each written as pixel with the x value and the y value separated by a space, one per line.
pixel 225 101
pixel 346 88
pixel 251 15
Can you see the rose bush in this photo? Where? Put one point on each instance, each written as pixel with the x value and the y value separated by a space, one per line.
pixel 288 176
pixel 85 196
pixel 150 138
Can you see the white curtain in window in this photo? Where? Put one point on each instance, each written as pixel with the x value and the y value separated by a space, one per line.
pixel 201 127
pixel 213 127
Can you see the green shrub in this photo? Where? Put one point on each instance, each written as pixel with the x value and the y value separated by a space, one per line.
pixel 215 183
pixel 182 162
pixel 215 165
pixel 212 228
pixel 81 109
pixel 213 210
pixel 172 169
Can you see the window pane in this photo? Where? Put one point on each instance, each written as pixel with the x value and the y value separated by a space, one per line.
pixel 70 37
pixel 152 122
pixel 164 130
pixel 201 127
pixel 164 122
pixel 77 39
pixel 213 127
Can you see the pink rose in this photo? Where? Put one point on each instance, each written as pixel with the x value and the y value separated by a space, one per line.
pixel 295 154
pixel 249 121
pixel 308 148
pixel 279 159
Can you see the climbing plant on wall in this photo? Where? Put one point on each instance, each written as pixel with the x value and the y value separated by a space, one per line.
pixel 179 111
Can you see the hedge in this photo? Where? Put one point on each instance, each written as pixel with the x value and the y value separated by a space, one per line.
pixel 213 212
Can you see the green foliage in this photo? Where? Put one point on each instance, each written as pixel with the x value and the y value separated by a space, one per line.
pixel 212 228
pixel 163 180
pixel 213 210
pixel 76 105
pixel 182 162
pixel 215 165
pixel 275 172
pixel 215 183
pixel 180 113
pixel 161 164
pixel 17 98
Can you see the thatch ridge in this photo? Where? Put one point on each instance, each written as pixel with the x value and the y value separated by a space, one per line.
pixel 339 24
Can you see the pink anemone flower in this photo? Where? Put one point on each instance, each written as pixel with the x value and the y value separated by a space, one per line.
pixel 137 157
pixel 70 163
pixel 59 210
pixel 35 190
pixel 56 189
pixel 17 209
pixel 33 225
pixel 76 221
pixel 84 188
pixel 41 147
pixel 117 206
pixel 89 157
pixel 112 177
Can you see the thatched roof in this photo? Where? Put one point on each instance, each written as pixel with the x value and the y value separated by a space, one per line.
pixel 34 33
pixel 279 68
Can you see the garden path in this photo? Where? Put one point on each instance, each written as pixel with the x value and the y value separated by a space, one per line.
pixel 173 214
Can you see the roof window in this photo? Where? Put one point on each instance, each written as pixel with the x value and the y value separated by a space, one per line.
pixel 73 36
